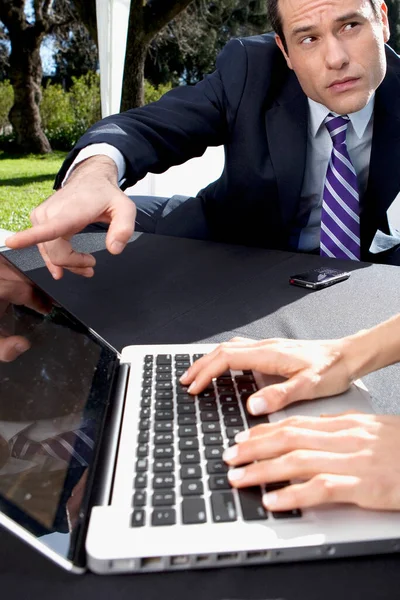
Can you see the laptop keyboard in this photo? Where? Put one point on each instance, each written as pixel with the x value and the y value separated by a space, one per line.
pixel 180 476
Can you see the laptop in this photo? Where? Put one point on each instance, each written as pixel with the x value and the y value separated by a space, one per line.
pixel 107 464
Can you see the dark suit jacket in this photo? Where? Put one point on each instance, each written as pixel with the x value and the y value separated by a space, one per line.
pixel 254 106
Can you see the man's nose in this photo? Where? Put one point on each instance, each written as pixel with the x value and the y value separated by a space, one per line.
pixel 336 56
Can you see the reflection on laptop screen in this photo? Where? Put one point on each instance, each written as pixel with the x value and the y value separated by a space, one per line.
pixel 52 406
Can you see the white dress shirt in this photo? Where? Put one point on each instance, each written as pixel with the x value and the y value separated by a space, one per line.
pixel 319 149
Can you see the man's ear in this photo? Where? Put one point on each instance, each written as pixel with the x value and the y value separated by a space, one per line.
pixel 281 46
pixel 385 22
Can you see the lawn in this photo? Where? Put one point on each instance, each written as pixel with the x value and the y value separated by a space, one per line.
pixel 25 181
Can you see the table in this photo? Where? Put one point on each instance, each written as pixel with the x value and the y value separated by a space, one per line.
pixel 170 290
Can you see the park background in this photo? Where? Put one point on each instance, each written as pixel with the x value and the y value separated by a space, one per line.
pixel 50 78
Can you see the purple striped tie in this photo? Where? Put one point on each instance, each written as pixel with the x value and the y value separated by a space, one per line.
pixel 340 216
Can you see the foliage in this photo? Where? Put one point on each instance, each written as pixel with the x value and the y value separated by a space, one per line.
pixel 67 115
pixel 25 182
pixel 187 48
pixel 75 55
pixel 6 102
pixel 4 53
pixel 394 20
pixel 152 93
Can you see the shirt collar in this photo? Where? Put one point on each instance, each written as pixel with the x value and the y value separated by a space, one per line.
pixel 359 120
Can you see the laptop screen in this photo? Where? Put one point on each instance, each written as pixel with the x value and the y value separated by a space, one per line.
pixel 55 383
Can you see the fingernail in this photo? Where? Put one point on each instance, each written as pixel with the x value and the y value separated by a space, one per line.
pixel 230 453
pixel 258 405
pixel 236 474
pixel 183 377
pixel 192 386
pixel 21 348
pixel 54 274
pixel 117 247
pixel 242 436
pixel 270 499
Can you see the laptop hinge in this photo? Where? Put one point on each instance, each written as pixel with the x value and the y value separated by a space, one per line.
pixel 111 436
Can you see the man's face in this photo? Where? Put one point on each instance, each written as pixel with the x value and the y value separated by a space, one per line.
pixel 336 49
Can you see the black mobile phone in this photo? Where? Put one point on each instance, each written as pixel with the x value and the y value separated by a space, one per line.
pixel 316 279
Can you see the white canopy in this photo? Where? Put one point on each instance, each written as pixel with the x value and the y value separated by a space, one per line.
pixel 112 29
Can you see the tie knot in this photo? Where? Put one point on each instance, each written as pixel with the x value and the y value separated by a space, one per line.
pixel 337 127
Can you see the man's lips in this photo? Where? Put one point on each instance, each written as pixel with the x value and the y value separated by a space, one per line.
pixel 343 84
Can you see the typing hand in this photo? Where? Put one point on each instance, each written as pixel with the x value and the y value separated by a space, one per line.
pixel 91 194
pixel 15 290
pixel 312 368
pixel 345 458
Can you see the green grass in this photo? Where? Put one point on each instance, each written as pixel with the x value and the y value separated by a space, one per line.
pixel 25 181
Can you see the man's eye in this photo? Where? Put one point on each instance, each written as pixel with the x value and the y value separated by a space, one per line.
pixel 350 26
pixel 307 40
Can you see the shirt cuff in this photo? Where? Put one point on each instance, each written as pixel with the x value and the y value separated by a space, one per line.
pixel 95 150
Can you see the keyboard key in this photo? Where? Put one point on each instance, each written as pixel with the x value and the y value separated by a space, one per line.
pixel 189 456
pixel 163 369
pixel 214 452
pixel 207 395
pixel 197 356
pixel 287 514
pixel 164 359
pixel 187 431
pixel 143 437
pixel 187 419
pixel 216 467
pixel 193 510
pixel 223 507
pixel 186 409
pixel 163 438
pixel 211 427
pixel 164 377
pixel 250 502
pixel 244 378
pixel 143 450
pixel 184 398
pixel 207 405
pixel 218 482
pixel 232 431
pixel 163 516
pixel 212 439
pixel 145 412
pixel 190 472
pixel 146 392
pixel 140 481
pixel 163 482
pixel 252 420
pixel 209 415
pixel 164 404
pixel 164 415
pixel 146 401
pixel 182 357
pixel 233 421
pixel 164 465
pixel 192 487
pixel 148 358
pixel 231 409
pixel 227 398
pixel 163 426
pixel 163 452
pixel 166 498
pixel 164 395
pixel 141 465
pixel 163 386
pixel 144 424
pixel 139 498
pixel 138 518
pixel 189 443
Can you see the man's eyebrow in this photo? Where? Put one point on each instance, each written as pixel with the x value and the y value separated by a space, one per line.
pixel 341 19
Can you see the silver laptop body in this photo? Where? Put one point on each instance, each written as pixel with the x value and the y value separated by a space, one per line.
pixel 153 496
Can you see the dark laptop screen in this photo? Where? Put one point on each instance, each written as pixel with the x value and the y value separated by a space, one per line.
pixel 53 400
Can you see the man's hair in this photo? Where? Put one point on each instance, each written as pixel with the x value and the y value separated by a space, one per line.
pixel 275 19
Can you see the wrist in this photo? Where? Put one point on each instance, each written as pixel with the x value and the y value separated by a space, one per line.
pixel 99 166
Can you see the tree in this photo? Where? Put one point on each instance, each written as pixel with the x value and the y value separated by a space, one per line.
pixel 4 54
pixel 26 30
pixel 186 49
pixel 146 19
pixel 394 20
pixel 75 55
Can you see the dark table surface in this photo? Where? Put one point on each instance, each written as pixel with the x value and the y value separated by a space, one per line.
pixel 170 290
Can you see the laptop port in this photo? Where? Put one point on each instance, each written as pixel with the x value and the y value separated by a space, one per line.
pixel 203 558
pixel 151 562
pixel 228 556
pixel 179 560
pixel 259 555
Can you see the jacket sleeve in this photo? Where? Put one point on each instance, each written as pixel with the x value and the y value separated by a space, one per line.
pixel 179 126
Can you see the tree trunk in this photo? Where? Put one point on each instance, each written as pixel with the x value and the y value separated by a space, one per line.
pixel 133 88
pixel 26 76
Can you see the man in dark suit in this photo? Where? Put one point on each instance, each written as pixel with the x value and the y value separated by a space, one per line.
pixel 268 102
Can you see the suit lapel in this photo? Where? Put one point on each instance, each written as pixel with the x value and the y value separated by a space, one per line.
pixel 286 124
pixel 384 172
